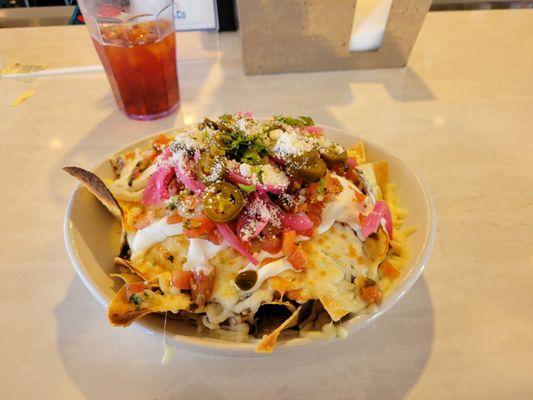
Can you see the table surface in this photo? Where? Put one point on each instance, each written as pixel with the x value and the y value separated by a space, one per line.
pixel 460 115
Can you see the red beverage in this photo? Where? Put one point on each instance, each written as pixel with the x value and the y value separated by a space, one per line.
pixel 140 62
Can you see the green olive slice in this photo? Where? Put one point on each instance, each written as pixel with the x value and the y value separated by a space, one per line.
pixel 222 202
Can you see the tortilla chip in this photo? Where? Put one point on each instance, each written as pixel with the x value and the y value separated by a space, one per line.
pixel 358 151
pixel 127 277
pixel 169 255
pixel 268 342
pixel 95 185
pixel 121 262
pixel 270 315
pixel 381 171
pixel 328 272
pixel 122 312
pixel 375 248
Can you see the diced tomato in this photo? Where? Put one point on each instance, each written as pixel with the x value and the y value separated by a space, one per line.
pixel 181 279
pixel 299 208
pixel 160 142
pixel 370 292
pixel 309 233
pixel 347 169
pixel 271 244
pixel 289 242
pixel 198 226
pixel 202 287
pixel 312 193
pixel 351 162
pixel 359 196
pixel 315 217
pixel 315 208
pixel 135 287
pixel 129 155
pixel 214 237
pixel 298 259
pixel 174 218
pixel 388 270
pixel 332 185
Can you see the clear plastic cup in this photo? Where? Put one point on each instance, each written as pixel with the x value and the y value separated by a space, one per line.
pixel 136 43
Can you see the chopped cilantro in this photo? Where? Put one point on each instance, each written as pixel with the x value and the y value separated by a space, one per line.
pixel 300 121
pixel 321 185
pixel 307 120
pixel 227 118
pixel 173 202
pixel 136 300
pixel 247 188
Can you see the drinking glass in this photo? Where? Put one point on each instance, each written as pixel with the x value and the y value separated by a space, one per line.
pixel 135 40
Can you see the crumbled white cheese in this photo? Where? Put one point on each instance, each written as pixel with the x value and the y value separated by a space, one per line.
pixel 273 176
pixel 245 170
pixel 267 174
pixel 257 212
pixel 215 172
pixel 292 144
pixel 186 141
pixel 241 124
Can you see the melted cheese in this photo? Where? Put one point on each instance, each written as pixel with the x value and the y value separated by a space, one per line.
pixel 269 270
pixel 199 253
pixel 145 238
pixel 345 208
pixel 371 183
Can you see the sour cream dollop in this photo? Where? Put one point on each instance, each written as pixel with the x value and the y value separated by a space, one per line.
pixel 198 254
pixel 344 208
pixel 155 233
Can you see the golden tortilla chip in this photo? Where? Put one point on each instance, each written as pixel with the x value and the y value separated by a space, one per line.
pixel 127 277
pixel 268 342
pixel 328 271
pixel 169 255
pixel 270 315
pixel 358 151
pixel 121 262
pixel 122 312
pixel 381 171
pixel 375 248
pixel 95 185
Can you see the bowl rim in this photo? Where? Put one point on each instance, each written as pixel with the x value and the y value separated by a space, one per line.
pixel 246 349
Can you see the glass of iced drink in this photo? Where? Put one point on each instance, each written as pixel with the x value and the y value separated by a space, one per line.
pixel 135 40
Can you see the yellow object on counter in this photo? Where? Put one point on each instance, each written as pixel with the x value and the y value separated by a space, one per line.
pixel 23 97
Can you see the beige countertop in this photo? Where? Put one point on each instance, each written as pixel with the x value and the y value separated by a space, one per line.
pixel 460 114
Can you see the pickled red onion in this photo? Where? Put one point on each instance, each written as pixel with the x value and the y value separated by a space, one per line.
pixel 254 218
pixel 373 220
pixel 156 189
pixel 314 130
pixel 235 242
pixel 186 177
pixel 236 178
pixel 297 222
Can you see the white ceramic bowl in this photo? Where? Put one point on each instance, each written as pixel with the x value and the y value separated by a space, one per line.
pixel 88 238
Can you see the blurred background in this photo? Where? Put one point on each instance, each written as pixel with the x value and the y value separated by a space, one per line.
pixel 190 14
